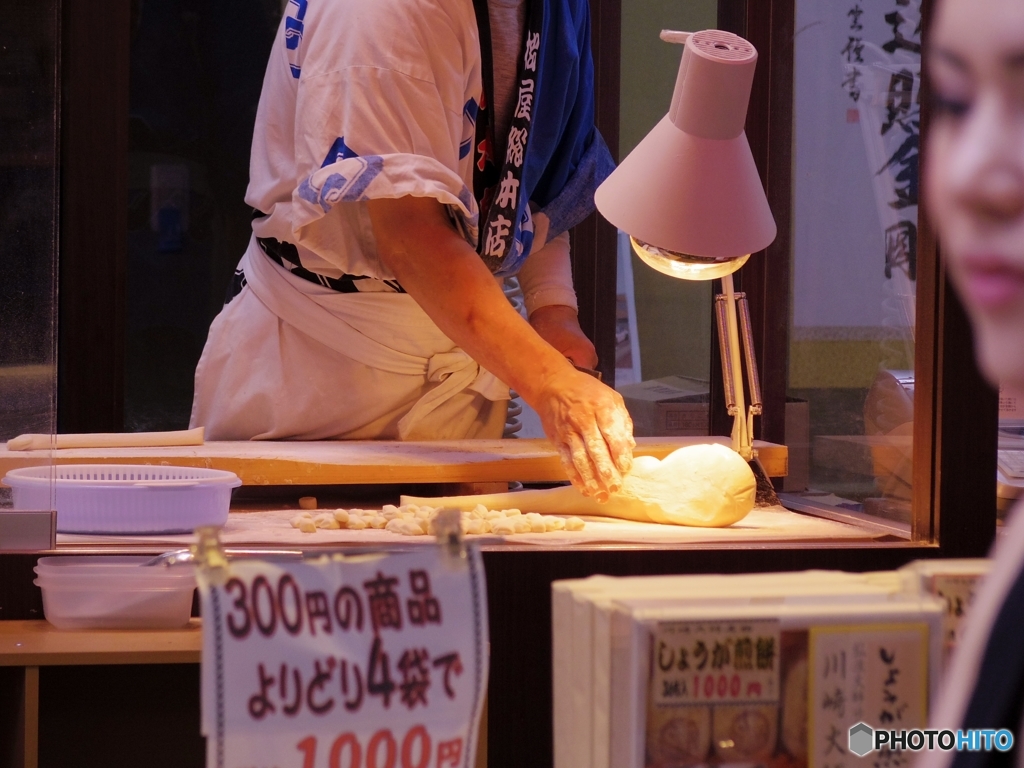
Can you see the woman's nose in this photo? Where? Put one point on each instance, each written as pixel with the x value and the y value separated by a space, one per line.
pixel 987 169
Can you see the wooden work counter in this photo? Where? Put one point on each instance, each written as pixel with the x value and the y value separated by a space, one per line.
pixel 362 462
pixel 40 644
pixel 27 646
pixel 286 470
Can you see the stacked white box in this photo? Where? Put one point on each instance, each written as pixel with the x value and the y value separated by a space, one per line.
pixel 954 581
pixel 585 636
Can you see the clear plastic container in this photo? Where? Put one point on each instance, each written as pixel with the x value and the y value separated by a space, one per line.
pixel 117 566
pixel 114 593
pixel 125 498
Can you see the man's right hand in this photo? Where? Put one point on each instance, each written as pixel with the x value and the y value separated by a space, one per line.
pixel 589 425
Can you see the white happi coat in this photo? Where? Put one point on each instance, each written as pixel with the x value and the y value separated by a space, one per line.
pixel 361 99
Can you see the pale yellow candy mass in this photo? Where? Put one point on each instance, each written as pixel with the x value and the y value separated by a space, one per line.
pixel 708 486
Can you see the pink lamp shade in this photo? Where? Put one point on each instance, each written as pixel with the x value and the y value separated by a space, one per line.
pixel 689 195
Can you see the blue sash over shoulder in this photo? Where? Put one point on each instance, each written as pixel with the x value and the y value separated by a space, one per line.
pixel 556 157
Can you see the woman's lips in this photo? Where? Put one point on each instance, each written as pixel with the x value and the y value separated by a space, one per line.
pixel 993 282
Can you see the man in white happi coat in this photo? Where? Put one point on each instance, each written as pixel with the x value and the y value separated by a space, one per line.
pixel 407 156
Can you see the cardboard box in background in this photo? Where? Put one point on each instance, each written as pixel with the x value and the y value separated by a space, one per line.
pixel 673 406
pixel 677 406
pixel 798 441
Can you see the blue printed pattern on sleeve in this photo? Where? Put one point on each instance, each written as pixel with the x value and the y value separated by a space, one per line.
pixel 339 151
pixel 293 28
pixel 469 113
pixel 337 188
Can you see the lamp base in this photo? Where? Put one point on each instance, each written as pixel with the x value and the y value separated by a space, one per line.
pixel 765 495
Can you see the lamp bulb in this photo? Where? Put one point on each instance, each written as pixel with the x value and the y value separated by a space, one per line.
pixel 684 265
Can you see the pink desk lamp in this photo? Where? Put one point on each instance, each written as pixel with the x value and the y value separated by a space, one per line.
pixel 692 202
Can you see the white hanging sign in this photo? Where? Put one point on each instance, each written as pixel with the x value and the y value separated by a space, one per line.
pixel 375 661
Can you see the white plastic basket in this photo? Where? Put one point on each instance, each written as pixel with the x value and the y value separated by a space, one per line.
pixel 125 498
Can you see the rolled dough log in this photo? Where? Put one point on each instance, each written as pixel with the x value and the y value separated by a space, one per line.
pixel 709 486
pixel 33 442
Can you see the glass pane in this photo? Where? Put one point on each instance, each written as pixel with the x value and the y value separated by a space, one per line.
pixel 663 330
pixel 196 74
pixel 856 125
pixel 28 217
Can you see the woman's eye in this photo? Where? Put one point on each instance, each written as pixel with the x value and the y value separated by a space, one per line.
pixel 941 105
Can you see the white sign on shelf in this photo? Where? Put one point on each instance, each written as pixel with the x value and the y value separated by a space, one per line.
pixel 715 662
pixel 374 660
pixel 877 674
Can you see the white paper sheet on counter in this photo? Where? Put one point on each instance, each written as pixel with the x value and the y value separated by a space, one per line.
pixel 273 527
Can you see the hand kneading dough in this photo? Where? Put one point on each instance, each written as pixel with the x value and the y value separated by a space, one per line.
pixel 708 486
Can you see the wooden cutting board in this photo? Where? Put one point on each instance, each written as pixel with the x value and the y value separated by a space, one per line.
pixel 370 461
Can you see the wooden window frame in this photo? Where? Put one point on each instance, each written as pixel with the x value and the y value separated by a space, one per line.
pixel 93 239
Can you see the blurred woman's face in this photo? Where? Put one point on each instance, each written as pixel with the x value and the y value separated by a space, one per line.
pixel 975 171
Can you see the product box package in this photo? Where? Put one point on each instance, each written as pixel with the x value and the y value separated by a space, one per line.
pixel 954 581
pixel 798 443
pixel 716 684
pixel 591 674
pixel 581 615
pixel 675 406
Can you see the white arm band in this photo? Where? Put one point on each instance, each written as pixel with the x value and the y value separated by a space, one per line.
pixel 546 276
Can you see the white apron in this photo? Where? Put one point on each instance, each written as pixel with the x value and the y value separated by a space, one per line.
pixel 289 359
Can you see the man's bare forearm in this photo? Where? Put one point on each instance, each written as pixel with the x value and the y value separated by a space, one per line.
pixel 586 421
pixel 450 282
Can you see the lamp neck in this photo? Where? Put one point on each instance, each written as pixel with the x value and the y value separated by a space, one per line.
pixel 742 438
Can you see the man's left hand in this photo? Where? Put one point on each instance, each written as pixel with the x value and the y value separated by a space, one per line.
pixel 559 326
